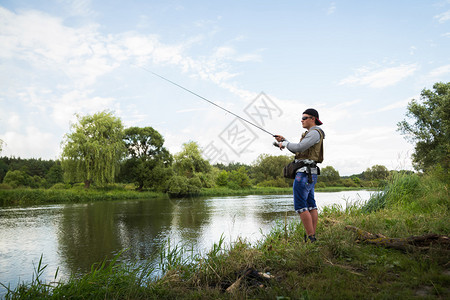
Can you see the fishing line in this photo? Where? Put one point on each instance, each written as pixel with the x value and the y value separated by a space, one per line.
pixel 207 100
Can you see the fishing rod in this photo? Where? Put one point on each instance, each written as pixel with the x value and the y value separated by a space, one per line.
pixel 209 101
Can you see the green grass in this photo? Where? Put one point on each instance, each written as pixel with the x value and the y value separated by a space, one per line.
pixel 27 196
pixel 335 267
pixel 38 196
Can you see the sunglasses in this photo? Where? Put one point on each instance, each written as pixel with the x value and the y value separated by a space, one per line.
pixel 304 118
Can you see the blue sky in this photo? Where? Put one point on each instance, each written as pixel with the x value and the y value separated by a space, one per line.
pixel 357 62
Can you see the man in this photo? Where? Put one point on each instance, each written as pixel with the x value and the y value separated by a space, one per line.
pixel 309 151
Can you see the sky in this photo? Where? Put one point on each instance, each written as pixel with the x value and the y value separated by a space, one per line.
pixel 358 63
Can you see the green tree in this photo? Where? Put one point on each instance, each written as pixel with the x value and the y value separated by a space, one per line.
pixel 146 157
pixel 93 150
pixel 180 186
pixel 55 174
pixel 430 131
pixel 222 178
pixel 3 169
pixel 177 186
pixel 232 166
pixel 376 172
pixel 239 179
pixel 189 161
pixel 348 182
pixel 329 174
pixel 269 167
pixel 17 178
pixel 356 180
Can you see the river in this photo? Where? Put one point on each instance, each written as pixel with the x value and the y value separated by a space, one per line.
pixel 71 237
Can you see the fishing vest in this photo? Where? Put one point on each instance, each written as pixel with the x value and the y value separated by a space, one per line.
pixel 315 152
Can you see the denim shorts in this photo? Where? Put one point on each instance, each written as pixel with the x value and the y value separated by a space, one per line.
pixel 304 192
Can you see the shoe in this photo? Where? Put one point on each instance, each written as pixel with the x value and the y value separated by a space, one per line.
pixel 312 238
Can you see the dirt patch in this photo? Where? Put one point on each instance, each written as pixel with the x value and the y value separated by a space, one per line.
pixel 424 291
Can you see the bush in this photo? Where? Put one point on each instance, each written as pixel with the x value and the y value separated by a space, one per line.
pixel 222 178
pixel 356 180
pixel 207 180
pixel 177 186
pixel 38 182
pixel 194 185
pixel 17 178
pixel 111 187
pixel 78 186
pixel 279 182
pixel 348 182
pixel 239 179
pixel 369 184
pixel 60 186
pixel 320 185
pixel 5 186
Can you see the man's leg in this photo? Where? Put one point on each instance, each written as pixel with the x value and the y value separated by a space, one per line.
pixel 301 194
pixel 307 222
pixel 314 217
pixel 312 206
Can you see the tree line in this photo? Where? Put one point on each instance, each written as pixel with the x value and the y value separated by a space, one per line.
pixel 99 151
pixel 188 173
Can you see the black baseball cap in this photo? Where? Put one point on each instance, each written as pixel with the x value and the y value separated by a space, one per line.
pixel 314 113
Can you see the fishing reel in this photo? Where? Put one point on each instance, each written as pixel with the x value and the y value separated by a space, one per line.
pixel 276 144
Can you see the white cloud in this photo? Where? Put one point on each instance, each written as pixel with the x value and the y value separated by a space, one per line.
pixel 77 101
pixel 31 143
pixel 45 43
pixel 381 77
pixel 443 17
pixel 80 8
pixel 13 121
pixel 340 148
pixel 439 72
pixel 395 105
pixel 80 56
pixel 251 57
pixel 331 8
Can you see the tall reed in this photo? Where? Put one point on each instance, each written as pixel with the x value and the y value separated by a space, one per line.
pixel 401 189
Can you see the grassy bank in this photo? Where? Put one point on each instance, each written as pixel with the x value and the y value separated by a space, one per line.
pixel 335 267
pixel 26 196
pixel 43 196
pixel 223 191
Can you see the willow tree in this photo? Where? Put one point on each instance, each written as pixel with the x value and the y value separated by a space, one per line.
pixel 93 149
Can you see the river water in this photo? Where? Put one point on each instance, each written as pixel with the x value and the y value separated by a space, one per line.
pixel 71 237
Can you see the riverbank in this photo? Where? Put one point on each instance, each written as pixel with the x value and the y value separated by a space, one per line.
pixel 338 266
pixel 28 196
pixel 43 196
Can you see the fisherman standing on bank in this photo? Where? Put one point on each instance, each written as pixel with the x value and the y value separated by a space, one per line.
pixel 309 151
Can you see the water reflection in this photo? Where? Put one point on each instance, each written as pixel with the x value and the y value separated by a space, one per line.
pixel 95 231
pixel 74 236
